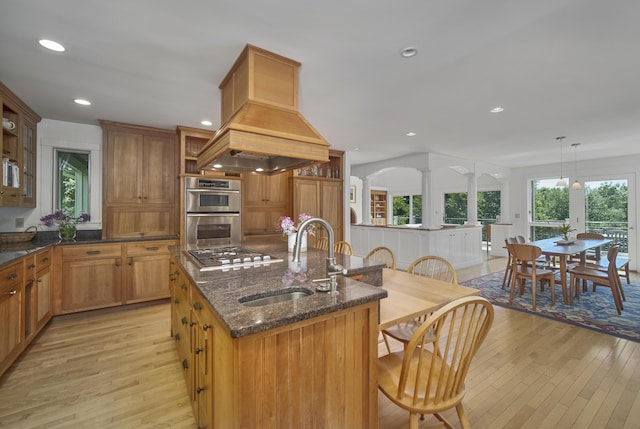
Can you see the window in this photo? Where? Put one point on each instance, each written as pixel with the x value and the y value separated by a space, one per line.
pixel 407 209
pixel 549 207
pixel 72 182
pixel 455 207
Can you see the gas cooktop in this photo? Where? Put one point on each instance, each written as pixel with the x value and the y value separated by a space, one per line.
pixel 229 258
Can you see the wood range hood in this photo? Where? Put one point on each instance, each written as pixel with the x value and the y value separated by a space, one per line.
pixel 261 126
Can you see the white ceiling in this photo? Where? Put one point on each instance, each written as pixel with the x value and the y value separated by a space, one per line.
pixel 558 67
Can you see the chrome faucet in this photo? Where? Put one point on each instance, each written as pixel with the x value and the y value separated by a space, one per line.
pixel 333 269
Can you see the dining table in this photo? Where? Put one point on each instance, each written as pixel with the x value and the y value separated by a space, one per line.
pixel 410 296
pixel 563 249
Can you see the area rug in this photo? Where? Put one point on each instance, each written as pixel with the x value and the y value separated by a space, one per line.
pixel 594 310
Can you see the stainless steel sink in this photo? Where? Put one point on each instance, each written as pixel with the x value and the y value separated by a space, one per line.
pixel 274 297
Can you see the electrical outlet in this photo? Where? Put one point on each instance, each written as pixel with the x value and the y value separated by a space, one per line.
pixel 19 222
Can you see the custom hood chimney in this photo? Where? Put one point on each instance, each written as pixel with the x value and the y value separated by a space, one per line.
pixel 261 127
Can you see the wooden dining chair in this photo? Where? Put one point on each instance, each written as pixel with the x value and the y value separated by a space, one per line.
pixel 508 271
pixel 596 254
pixel 321 243
pixel 383 254
pixel 525 268
pixel 424 382
pixel 343 248
pixel 433 267
pixel 609 278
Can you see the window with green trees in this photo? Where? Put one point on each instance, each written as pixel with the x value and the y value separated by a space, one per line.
pixel 72 182
pixel 407 209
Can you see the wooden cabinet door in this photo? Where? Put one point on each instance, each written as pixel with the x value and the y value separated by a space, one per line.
pixel 306 197
pixel 277 189
pixel 203 355
pixel 147 278
pixel 147 271
pixel 43 287
pixel 123 174
pixel 331 206
pixel 91 283
pixel 144 221
pixel 11 317
pixel 28 182
pixel 159 178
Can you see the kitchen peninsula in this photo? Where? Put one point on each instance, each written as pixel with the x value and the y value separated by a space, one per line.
pixel 304 362
pixel 461 245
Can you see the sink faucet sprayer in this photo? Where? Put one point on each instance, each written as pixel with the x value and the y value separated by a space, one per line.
pixel 333 269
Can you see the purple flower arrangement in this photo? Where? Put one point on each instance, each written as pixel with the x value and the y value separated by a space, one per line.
pixel 287 226
pixel 61 219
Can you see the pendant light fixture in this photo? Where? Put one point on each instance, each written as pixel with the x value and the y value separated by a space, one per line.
pixel 561 182
pixel 576 185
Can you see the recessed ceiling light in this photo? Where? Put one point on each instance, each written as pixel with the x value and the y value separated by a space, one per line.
pixel 82 102
pixel 411 134
pixel 409 52
pixel 50 44
pixel 259 169
pixel 217 165
pixel 206 123
pixel 497 109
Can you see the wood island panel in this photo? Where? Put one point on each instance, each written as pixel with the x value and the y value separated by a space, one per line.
pixel 319 372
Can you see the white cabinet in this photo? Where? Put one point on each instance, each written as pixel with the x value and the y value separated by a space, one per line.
pixel 460 246
pixel 498 234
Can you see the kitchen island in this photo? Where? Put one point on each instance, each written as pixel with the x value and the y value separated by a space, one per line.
pixel 308 362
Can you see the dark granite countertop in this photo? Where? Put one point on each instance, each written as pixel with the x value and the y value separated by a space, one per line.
pixel 10 253
pixel 223 289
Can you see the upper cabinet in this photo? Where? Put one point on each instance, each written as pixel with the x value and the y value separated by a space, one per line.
pixel 140 181
pixel 18 141
pixel 317 191
pixel 264 199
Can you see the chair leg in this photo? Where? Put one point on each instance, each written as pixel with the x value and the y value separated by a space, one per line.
pixel 464 421
pixel 413 421
pixel 386 342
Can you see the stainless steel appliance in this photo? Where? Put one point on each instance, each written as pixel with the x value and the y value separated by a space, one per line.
pixel 212 211
pixel 229 258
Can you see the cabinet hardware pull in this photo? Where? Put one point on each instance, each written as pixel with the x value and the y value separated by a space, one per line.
pixel 205 327
pixel 45 259
pixel 152 249
pixel 13 292
pixel 177 337
pixel 130 261
pixel 118 262
pixel 184 320
pixel 200 390
pixel 198 350
pixel 31 266
pixel 12 276
pixel 192 324
pixel 197 306
pixel 185 364
pixel 184 286
pixel 39 280
pixel 93 252
pixel 177 301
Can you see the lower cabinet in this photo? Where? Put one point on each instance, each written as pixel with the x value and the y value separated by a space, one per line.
pixel 91 277
pixel 11 313
pixel 202 335
pixel 147 270
pixel 37 292
pixel 110 274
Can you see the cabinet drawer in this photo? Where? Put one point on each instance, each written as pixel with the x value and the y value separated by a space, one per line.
pixel 91 251
pixel 149 248
pixel 12 274
pixel 43 259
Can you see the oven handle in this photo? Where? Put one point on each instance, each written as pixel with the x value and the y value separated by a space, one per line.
pixel 191 214
pixel 212 191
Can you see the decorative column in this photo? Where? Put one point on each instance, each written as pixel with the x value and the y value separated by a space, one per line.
pixel 366 201
pixel 427 194
pixel 472 199
pixel 505 213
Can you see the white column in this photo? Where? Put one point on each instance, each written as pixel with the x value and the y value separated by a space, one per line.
pixel 505 212
pixel 472 199
pixel 366 201
pixel 427 194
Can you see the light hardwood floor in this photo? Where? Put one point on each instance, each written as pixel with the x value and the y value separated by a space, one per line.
pixel 119 369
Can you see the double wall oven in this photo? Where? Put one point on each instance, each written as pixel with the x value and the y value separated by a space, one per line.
pixel 212 211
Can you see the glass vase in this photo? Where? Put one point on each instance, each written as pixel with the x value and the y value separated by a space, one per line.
pixel 67 232
pixel 291 241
